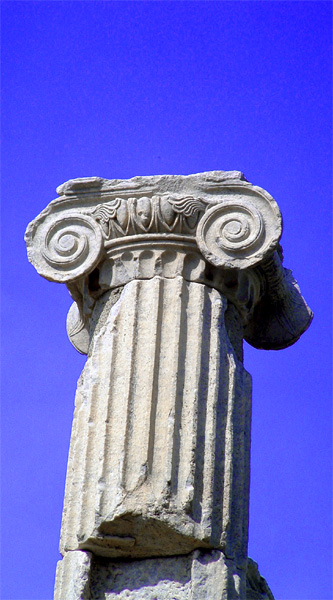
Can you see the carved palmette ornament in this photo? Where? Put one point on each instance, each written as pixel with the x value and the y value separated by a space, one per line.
pixel 241 230
pixel 157 214
pixel 65 247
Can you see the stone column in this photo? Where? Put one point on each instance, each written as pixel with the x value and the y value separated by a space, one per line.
pixel 168 274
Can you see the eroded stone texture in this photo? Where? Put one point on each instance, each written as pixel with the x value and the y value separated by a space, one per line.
pixel 159 460
pixel 256 586
pixel 168 274
pixel 201 575
pixel 162 578
pixel 73 577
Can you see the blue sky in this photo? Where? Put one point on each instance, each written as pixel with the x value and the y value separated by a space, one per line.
pixel 118 89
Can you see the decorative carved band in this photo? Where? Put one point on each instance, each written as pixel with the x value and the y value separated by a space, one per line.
pixel 235 229
pixel 159 214
pixel 133 259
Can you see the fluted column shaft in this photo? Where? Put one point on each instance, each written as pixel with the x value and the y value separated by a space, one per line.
pixel 161 430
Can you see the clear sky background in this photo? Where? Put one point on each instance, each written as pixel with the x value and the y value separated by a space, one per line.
pixel 118 89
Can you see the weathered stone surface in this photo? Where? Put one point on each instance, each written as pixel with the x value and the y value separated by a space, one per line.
pixel 282 314
pixel 241 230
pixel 159 459
pixel 148 579
pixel 256 586
pixel 201 575
pixel 73 577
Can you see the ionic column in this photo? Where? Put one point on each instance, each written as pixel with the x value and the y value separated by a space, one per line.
pixel 168 274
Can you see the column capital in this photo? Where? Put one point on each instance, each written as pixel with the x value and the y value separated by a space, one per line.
pixel 214 228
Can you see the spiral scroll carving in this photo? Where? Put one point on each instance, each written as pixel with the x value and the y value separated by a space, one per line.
pixel 69 246
pixel 239 233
